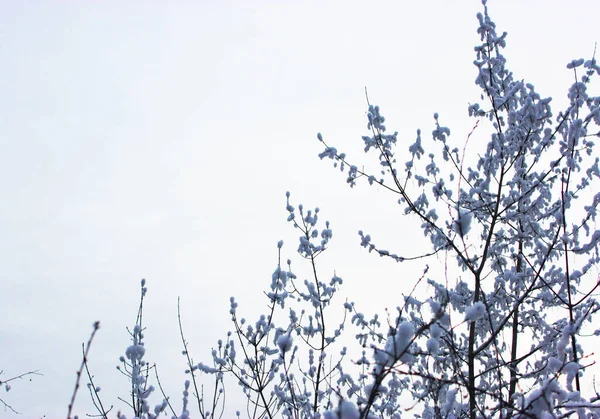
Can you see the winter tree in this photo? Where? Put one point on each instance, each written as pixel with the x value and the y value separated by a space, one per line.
pixel 505 331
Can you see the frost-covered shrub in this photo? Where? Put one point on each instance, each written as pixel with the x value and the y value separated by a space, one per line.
pixel 505 338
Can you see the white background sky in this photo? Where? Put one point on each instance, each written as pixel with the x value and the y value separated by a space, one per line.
pixel 157 139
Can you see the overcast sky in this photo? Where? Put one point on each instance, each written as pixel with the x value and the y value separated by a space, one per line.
pixel 157 139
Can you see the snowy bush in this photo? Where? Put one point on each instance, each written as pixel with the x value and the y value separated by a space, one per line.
pixel 503 334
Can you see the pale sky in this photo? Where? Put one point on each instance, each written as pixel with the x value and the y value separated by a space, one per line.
pixel 157 139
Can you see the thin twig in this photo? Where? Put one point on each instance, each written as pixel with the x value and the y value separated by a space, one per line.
pixel 86 350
